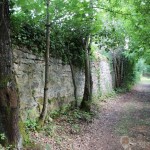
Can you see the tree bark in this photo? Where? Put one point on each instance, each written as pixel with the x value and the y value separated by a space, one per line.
pixel 73 78
pixel 74 84
pixel 122 69
pixel 87 96
pixel 9 101
pixel 118 67
pixel 45 100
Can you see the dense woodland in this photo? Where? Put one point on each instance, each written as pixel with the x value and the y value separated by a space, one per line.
pixel 75 31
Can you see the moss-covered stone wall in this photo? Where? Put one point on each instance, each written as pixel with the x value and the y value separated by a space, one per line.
pixel 29 70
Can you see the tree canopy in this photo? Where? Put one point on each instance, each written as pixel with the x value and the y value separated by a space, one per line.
pixel 122 22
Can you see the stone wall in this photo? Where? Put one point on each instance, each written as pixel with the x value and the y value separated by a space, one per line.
pixel 102 78
pixel 29 71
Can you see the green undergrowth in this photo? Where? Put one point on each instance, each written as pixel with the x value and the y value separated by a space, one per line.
pixel 107 96
pixel 68 119
pixel 3 141
pixel 102 98
pixel 71 113
pixel 128 87
pixel 58 123
pixel 123 89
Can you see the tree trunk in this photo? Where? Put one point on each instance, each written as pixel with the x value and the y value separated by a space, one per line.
pixel 118 70
pixel 114 69
pixel 73 77
pixel 90 70
pixel 9 101
pixel 74 83
pixel 122 70
pixel 87 96
pixel 45 101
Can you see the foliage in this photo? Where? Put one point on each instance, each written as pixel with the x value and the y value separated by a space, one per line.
pixel 133 73
pixel 114 24
pixel 147 70
pixel 71 114
pixel 29 36
pixel 50 129
pixel 82 115
pixel 66 119
pixel 4 139
pixel 71 22
pixel 31 125
pixel 2 136
pixel 140 68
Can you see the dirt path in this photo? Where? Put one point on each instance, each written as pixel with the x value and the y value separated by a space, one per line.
pixel 125 118
pixel 126 115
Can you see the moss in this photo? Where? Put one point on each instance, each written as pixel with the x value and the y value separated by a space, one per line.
pixel 32 113
pixel 62 110
pixel 40 100
pixel 98 98
pixel 65 108
pixel 52 100
pixel 40 103
pixel 24 134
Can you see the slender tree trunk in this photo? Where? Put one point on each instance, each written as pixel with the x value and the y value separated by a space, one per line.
pixel 87 96
pixel 9 101
pixel 122 69
pixel 73 77
pixel 74 83
pixel 118 66
pixel 90 70
pixel 45 101
pixel 115 70
pixel 118 71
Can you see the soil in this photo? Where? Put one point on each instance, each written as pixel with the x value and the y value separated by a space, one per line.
pixel 122 122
